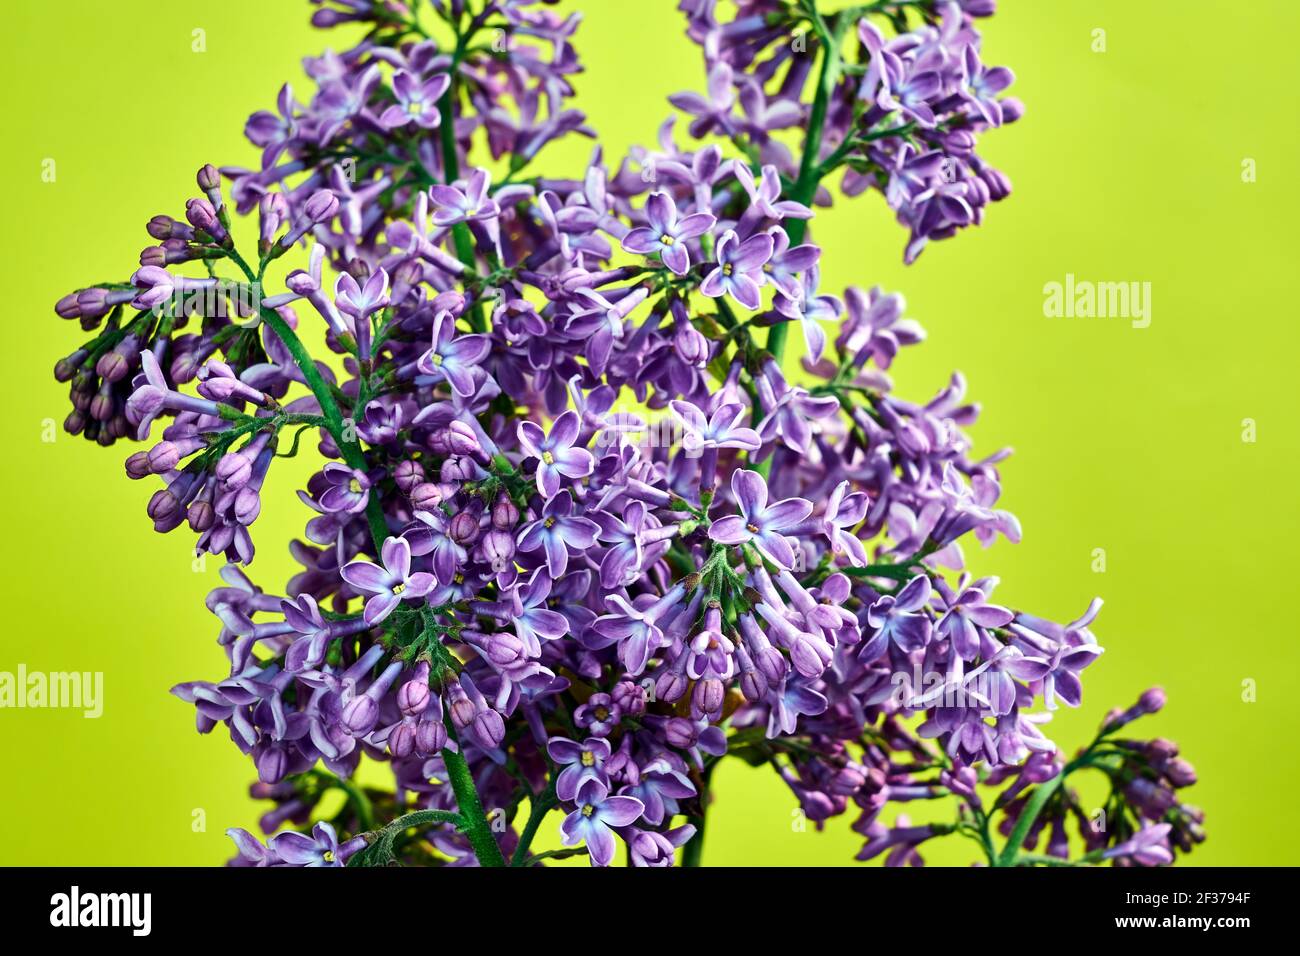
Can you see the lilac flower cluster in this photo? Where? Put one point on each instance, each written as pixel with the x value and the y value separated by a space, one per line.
pixel 579 534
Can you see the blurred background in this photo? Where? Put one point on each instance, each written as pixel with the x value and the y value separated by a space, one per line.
pixel 1168 158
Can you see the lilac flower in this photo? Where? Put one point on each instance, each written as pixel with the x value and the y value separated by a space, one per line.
pixel 289 848
pixel 899 619
pixel 453 357
pixel 557 455
pixel 415 101
pixel 738 272
pixel 719 430
pixel 845 510
pixel 966 613
pixel 556 532
pixel 759 522
pixel 665 234
pixel 472 204
pixel 348 489
pixel 594 819
pixel 581 762
pixel 389 584
pixel 1149 847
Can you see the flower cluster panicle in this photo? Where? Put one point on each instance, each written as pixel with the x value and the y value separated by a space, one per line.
pixel 579 532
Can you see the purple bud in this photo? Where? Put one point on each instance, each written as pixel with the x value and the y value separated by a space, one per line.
pixel 430 736
pixel 401 742
pixel 360 715
pixel 162 505
pixel 272 764
pixel 413 697
pixel 629 698
pixel 208 178
pixel 691 346
pixel 489 726
pixel 498 549
pixel 67 308
pixel 163 457
pixel 201 516
pixel 504 514
pixel 464 528
pixel 234 470
pixel 322 206
pixel 680 733
pixel 407 475
pixel 426 497
pixel 708 695
pixel 137 466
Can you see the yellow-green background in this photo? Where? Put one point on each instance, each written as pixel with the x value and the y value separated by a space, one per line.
pixel 1126 167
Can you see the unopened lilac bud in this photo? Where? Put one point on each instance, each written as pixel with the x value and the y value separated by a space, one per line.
pixel 272 764
pixel 162 505
pixel 451 301
pixel 234 470
pixel 74 423
pixel 407 474
pixel 457 469
pixel 629 698
pixel 92 303
pixel 153 256
pixel 464 528
pixel 1012 109
pixel 670 685
pixel 461 708
pixel 67 367
pixel 248 505
pixel 998 184
pixel 360 715
pixel 321 206
pixel 163 457
pixel 505 515
pixel 401 741
pixel 753 685
pixel 137 466
pixel 201 215
pixel 430 736
pixel 1180 773
pixel 680 733
pixel 112 366
pixel 101 406
pixel 273 212
pixel 67 308
pixel 489 727
pixel 498 549
pixel 691 346
pixel 165 227
pixel 208 178
pixel 413 697
pixel 426 496
pixel 456 439
pixel 201 516
pixel 708 695
pixel 1152 701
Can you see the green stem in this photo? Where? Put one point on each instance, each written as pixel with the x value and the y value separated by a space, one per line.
pixel 805 187
pixel 693 852
pixel 474 821
pixel 541 805
pixel 351 450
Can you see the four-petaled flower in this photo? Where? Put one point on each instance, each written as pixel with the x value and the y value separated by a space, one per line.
pixel 667 235
pixel 594 819
pixel 390 584
pixel 415 101
pixel 759 522
pixel 739 271
pixel 557 457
